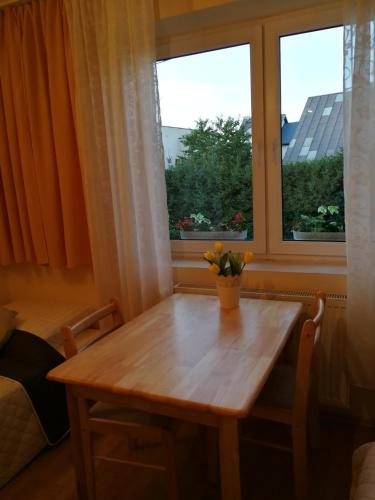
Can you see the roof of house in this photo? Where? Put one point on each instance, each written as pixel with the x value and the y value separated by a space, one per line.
pixel 319 131
pixel 287 132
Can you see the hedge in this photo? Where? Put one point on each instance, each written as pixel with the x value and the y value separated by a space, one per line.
pixel 214 177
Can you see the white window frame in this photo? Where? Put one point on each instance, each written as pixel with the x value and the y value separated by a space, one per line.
pixel 263 37
pixel 319 18
pixel 213 39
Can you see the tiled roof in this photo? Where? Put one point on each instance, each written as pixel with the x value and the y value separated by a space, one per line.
pixel 320 129
pixel 288 131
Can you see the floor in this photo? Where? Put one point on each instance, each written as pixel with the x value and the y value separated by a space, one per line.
pixel 266 473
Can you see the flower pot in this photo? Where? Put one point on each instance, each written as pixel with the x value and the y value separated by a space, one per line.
pixel 318 236
pixel 228 290
pixel 213 235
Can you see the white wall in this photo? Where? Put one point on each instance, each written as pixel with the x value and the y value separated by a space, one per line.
pixel 172 143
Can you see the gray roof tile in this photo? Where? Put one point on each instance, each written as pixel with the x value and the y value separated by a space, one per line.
pixel 326 132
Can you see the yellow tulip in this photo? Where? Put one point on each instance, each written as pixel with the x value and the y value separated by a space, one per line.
pixel 248 257
pixel 218 246
pixel 209 255
pixel 214 268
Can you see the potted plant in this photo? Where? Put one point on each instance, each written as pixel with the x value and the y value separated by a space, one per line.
pixel 228 268
pixel 198 227
pixel 327 225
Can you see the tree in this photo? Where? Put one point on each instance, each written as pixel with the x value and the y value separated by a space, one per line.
pixel 213 176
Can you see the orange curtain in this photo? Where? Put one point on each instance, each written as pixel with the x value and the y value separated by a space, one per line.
pixel 42 211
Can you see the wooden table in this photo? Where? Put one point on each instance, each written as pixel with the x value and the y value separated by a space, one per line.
pixel 184 358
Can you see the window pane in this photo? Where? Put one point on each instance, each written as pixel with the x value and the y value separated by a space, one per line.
pixel 206 128
pixel 312 135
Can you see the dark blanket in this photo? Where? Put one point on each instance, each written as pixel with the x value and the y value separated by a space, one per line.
pixel 27 359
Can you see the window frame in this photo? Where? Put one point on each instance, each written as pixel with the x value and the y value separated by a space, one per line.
pixel 319 18
pixel 263 36
pixel 213 39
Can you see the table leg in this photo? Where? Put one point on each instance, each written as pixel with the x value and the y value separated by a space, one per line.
pixel 212 454
pixel 76 445
pixel 229 459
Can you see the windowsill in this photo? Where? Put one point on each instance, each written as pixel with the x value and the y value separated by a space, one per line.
pixel 271 275
pixel 275 266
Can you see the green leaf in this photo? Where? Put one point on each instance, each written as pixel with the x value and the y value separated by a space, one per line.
pixel 235 263
pixel 226 271
pixel 222 262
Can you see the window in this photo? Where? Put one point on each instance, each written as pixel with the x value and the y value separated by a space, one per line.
pixel 311 155
pixel 291 109
pixel 205 102
pixel 312 180
pixel 327 111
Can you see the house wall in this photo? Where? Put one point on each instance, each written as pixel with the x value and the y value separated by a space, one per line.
pixel 172 144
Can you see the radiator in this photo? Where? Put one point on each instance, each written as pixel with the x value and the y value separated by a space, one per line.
pixel 334 386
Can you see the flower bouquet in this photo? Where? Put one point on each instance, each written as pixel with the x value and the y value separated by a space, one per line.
pixel 228 267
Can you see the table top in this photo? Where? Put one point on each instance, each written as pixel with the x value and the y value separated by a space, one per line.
pixel 188 352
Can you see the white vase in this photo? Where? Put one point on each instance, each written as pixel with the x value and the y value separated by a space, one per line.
pixel 228 290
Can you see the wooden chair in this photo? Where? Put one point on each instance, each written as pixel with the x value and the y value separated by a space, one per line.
pixel 102 418
pixel 286 396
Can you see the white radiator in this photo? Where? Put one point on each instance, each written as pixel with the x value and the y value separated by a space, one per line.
pixel 334 387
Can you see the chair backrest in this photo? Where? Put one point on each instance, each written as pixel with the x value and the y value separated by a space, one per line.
pixel 91 323
pixel 309 339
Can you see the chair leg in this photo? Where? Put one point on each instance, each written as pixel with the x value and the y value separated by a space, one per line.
pixel 170 464
pixel 89 463
pixel 313 417
pixel 300 462
pixel 314 431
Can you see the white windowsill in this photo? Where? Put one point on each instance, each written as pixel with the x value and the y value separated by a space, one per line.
pixel 271 275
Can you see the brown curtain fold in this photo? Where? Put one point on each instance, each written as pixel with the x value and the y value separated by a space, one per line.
pixel 42 217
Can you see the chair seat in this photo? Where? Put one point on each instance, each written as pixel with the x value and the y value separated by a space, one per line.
pixel 121 414
pixel 279 389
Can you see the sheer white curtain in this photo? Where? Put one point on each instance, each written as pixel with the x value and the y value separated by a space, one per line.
pixel 113 47
pixel 359 119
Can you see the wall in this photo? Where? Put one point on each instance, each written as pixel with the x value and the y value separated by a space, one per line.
pixel 172 144
pixel 39 282
pixel 4 288
pixel 270 275
pixel 168 8
pixel 187 16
